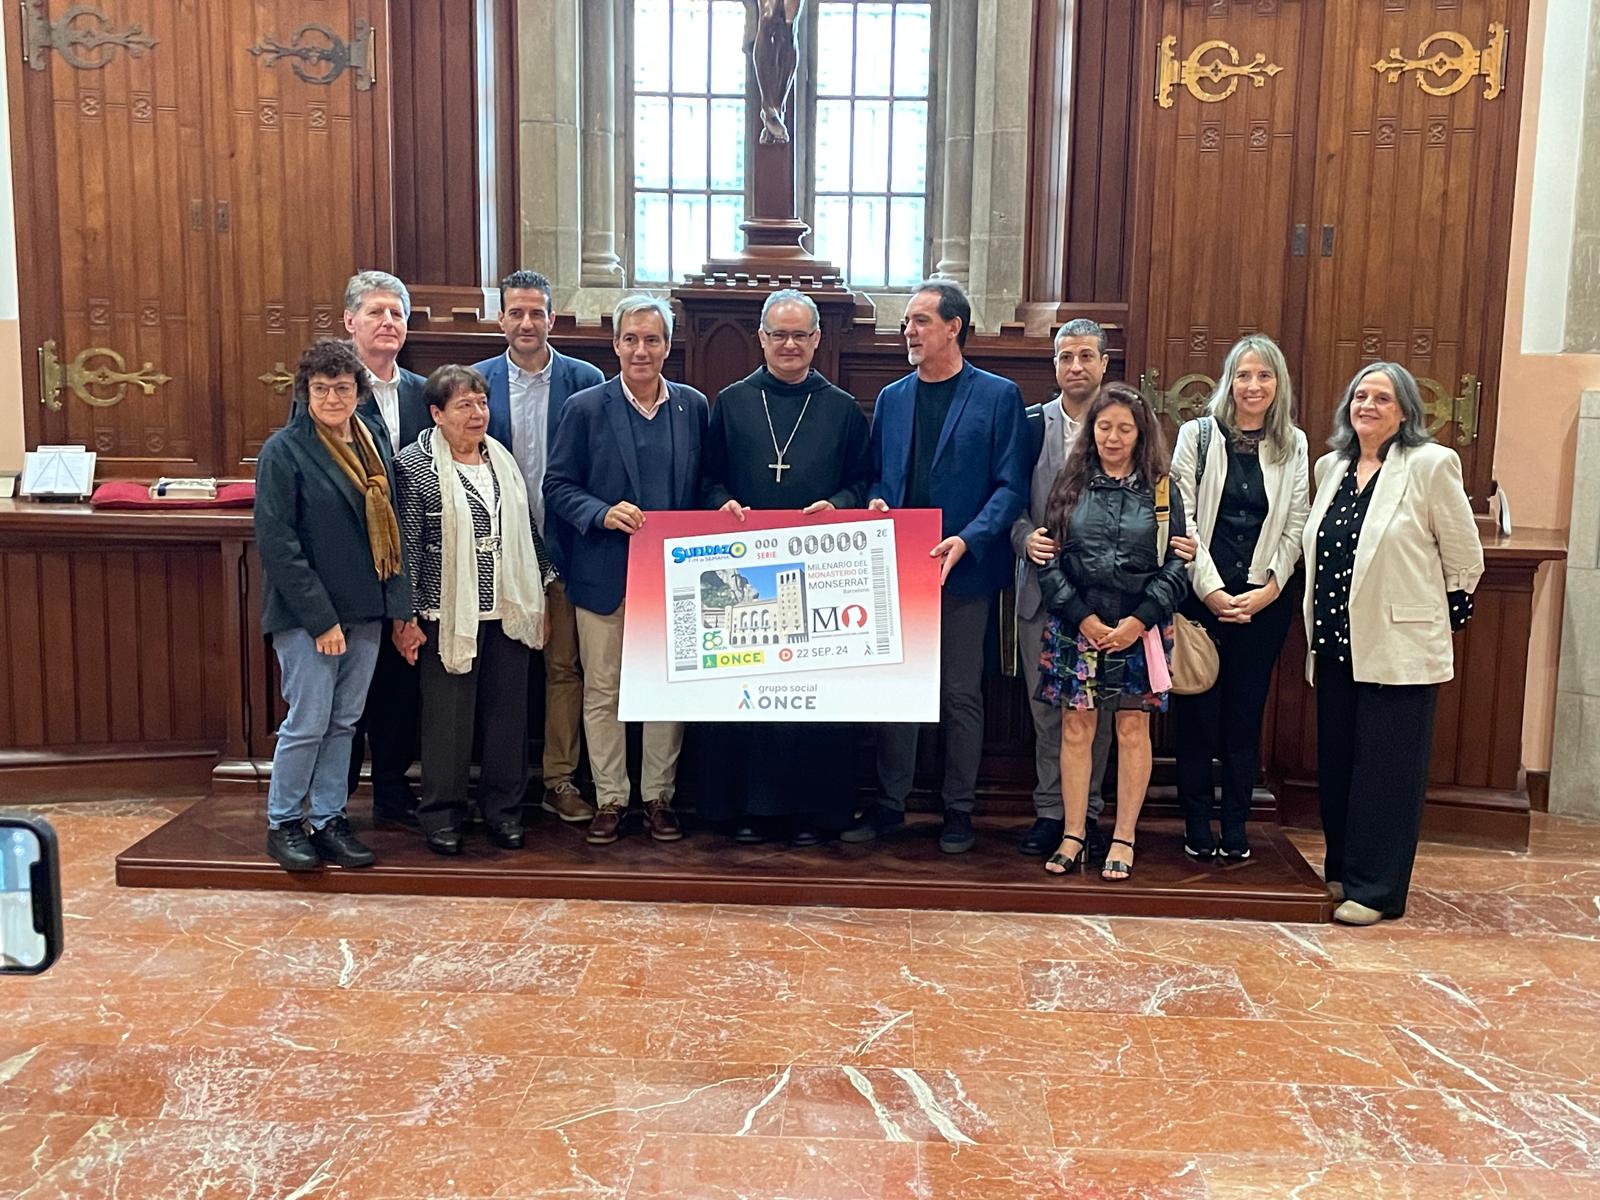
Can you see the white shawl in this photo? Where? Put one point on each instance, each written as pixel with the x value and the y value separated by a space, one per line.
pixel 521 590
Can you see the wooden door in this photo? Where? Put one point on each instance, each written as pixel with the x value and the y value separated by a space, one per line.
pixel 1413 210
pixel 113 231
pixel 303 188
pixel 1226 184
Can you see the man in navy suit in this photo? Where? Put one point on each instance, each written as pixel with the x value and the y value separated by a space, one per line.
pixel 376 309
pixel 951 437
pixel 529 386
pixel 621 450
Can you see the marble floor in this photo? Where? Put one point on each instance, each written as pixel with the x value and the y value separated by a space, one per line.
pixel 241 1046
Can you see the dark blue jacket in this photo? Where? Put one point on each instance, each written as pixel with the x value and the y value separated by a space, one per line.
pixel 311 534
pixel 593 465
pixel 567 377
pixel 979 480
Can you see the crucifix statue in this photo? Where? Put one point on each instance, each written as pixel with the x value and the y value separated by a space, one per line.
pixel 771 40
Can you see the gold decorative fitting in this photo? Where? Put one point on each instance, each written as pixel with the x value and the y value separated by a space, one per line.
pixel 78 378
pixel 83 36
pixel 1442 408
pixel 319 55
pixel 278 379
pixel 1464 65
pixel 1222 72
pixel 1183 401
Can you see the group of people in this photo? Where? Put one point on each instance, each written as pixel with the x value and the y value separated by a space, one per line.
pixel 420 538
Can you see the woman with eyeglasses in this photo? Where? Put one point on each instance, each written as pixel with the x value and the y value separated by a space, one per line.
pixel 1392 556
pixel 329 543
pixel 478 573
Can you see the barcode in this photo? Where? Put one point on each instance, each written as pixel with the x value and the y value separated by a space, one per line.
pixel 685 656
pixel 880 603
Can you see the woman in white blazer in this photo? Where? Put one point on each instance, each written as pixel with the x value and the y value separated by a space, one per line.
pixel 1249 497
pixel 1392 555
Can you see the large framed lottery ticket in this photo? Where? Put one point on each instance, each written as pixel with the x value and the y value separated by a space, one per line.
pixel 782 617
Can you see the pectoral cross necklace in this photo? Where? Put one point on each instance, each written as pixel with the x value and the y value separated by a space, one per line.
pixel 779 467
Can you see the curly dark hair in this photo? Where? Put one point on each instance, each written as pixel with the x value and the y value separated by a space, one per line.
pixel 331 358
pixel 1150 457
pixel 449 379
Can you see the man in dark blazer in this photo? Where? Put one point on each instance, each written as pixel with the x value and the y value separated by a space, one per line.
pixel 376 308
pixel 622 449
pixel 529 386
pixel 952 437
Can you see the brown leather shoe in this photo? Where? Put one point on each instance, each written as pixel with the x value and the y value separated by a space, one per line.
pixel 605 828
pixel 663 822
pixel 568 803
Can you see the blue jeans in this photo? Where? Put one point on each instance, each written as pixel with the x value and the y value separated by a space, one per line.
pixel 326 693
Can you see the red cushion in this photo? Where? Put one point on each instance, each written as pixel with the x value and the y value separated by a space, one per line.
pixel 126 494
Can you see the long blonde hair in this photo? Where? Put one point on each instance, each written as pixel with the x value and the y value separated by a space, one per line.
pixel 1279 426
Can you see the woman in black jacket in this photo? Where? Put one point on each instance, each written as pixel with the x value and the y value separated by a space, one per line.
pixel 329 543
pixel 1111 593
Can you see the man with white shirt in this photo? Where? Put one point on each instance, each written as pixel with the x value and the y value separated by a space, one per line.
pixel 1081 362
pixel 376 308
pixel 529 386
pixel 623 449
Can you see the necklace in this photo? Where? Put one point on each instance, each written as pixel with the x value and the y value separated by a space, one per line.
pixel 779 467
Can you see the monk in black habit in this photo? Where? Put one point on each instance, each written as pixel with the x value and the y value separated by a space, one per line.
pixel 786 438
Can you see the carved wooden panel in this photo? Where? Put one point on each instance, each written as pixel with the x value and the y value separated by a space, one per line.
pixel 301 171
pixel 1414 190
pixel 1227 183
pixel 113 224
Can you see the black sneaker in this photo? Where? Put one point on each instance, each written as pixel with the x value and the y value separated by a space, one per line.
pixel 336 843
pixel 1199 843
pixel 291 849
pixel 876 820
pixel 957 836
pixel 1044 837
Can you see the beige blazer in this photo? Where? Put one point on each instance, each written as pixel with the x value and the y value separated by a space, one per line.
pixel 1418 542
pixel 1287 483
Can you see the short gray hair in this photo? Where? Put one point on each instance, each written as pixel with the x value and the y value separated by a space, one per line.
pixel 363 283
pixel 791 296
pixel 1081 327
pixel 630 306
pixel 1413 421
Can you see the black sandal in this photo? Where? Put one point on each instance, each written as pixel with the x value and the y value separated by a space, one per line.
pixel 1059 864
pixel 1116 870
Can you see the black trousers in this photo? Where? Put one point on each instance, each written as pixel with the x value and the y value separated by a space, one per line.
pixel 1224 723
pixel 389 725
pixel 489 702
pixel 964 619
pixel 1374 743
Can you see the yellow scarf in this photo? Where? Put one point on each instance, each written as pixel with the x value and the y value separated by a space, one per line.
pixel 363 466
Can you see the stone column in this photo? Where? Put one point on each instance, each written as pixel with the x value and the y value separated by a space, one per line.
pixel 957 52
pixel 547 143
pixel 602 267
pixel 998 199
pixel 1575 765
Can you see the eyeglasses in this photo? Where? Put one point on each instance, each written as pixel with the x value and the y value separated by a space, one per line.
pixel 787 337
pixel 321 391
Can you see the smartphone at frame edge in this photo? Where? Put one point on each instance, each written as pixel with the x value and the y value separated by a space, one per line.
pixel 30 895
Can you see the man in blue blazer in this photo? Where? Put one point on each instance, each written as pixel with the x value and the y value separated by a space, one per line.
pixel 621 450
pixel 951 437
pixel 376 309
pixel 529 386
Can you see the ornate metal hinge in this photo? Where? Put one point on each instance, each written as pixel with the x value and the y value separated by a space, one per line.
pixel 1465 64
pixel 278 379
pixel 1184 401
pixel 88 47
pixel 1443 408
pixel 319 55
pixel 1222 72
pixel 77 377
